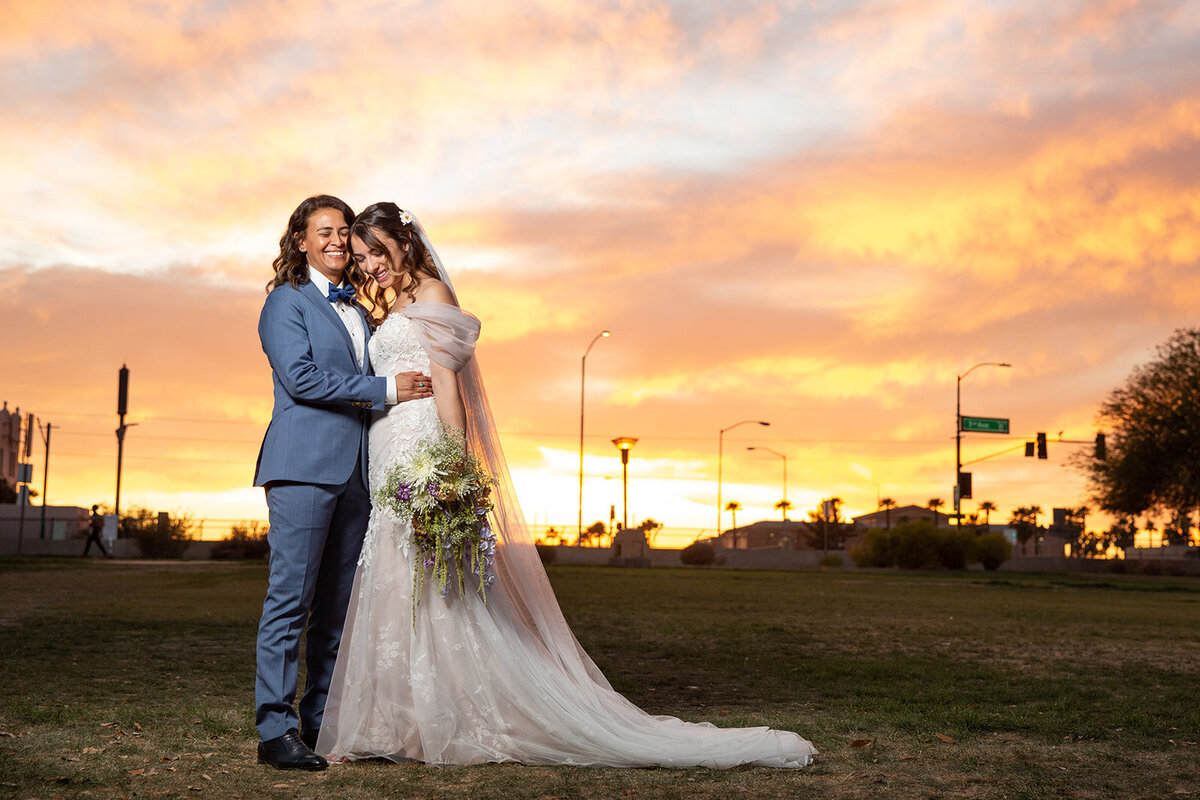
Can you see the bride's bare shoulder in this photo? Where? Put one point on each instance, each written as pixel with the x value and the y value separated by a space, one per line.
pixel 434 291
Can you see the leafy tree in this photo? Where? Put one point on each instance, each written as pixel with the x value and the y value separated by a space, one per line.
pixel 917 544
pixel 1121 533
pixel 993 550
pixel 698 554
pixel 825 528
pixel 987 507
pixel 8 493
pixel 1178 529
pixel 245 540
pixel 593 534
pixel 1151 461
pixel 154 539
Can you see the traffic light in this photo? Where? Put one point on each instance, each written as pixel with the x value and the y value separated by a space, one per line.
pixel 1101 447
pixel 964 485
pixel 1029 449
pixel 1041 445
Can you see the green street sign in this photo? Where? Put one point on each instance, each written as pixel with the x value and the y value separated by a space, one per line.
pixel 984 424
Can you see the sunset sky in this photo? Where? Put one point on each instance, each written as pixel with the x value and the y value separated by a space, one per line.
pixel 812 213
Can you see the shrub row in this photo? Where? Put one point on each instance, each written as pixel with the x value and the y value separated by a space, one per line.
pixel 917 544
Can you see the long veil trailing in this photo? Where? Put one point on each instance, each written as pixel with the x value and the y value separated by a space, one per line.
pixel 463 682
pixel 518 568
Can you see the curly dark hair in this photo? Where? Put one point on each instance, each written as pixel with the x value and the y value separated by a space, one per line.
pixel 384 220
pixel 291 265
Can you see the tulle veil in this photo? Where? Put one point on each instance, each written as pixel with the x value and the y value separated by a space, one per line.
pixel 507 681
pixel 519 570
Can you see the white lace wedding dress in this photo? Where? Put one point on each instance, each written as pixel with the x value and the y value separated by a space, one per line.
pixel 469 682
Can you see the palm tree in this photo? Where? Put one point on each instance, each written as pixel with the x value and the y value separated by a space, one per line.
pixel 933 505
pixel 887 504
pixel 784 505
pixel 733 506
pixel 1024 520
pixel 987 507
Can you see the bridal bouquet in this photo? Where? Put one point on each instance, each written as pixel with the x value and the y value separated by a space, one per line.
pixel 446 493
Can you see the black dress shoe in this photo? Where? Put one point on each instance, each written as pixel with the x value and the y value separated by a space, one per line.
pixel 289 752
pixel 309 737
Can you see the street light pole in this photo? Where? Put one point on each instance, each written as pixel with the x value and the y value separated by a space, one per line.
pixel 720 459
pixel 582 376
pixel 625 444
pixel 958 434
pixel 781 455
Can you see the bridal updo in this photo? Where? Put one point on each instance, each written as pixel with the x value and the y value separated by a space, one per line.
pixel 291 265
pixel 389 220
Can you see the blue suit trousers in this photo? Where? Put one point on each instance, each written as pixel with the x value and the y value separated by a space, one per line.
pixel 316 536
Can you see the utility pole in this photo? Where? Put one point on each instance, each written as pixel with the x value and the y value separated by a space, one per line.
pixel 24 476
pixel 122 407
pixel 45 473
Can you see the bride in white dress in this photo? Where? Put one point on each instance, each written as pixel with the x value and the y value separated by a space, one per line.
pixel 464 682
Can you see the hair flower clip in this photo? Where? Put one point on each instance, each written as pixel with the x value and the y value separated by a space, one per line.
pixel 406 218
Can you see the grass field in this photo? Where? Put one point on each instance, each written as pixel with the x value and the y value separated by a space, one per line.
pixel 135 680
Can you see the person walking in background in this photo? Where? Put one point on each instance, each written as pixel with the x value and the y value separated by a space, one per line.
pixel 95 528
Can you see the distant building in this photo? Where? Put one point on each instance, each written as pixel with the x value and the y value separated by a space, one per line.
pixel 64 524
pixel 764 535
pixel 629 548
pixel 10 443
pixel 909 513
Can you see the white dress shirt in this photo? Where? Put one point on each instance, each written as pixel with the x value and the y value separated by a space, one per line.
pixel 353 320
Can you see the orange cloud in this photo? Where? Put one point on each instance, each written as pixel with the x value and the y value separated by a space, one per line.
pixel 813 216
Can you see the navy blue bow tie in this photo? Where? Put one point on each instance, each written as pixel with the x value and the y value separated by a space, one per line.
pixel 346 293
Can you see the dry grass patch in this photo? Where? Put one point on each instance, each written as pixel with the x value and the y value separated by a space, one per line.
pixel 129 680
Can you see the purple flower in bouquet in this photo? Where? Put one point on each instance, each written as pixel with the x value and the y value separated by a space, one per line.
pixel 487 552
pixel 445 492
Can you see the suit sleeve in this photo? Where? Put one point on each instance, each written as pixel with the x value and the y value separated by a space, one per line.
pixel 285 340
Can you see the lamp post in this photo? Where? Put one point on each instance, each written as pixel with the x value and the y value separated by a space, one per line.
pixel 582 375
pixel 720 458
pixel 958 433
pixel 781 455
pixel 624 444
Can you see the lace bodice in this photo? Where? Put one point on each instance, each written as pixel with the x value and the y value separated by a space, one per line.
pixel 394 348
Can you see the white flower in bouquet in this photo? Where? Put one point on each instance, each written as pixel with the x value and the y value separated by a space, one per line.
pixel 423 468
pixel 445 492
pixel 423 501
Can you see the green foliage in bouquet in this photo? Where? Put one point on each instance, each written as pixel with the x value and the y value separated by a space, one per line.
pixel 446 493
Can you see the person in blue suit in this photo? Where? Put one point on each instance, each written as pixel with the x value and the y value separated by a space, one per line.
pixel 313 466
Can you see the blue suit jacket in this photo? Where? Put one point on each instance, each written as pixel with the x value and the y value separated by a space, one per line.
pixel 323 399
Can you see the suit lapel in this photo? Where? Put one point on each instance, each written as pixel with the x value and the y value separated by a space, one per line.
pixel 325 308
